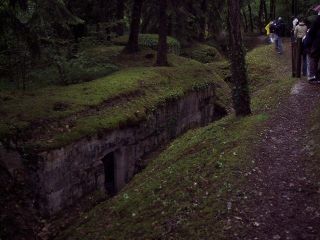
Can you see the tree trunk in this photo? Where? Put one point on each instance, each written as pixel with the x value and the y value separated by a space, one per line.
pixel 250 16
pixel 120 17
pixel 203 21
pixel 162 59
pixel 245 21
pixel 261 12
pixel 102 11
pixel 265 12
pixel 133 43
pixel 145 23
pixel 240 89
pixel 272 9
pixel 294 7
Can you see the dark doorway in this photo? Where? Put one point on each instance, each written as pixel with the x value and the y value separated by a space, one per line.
pixel 109 173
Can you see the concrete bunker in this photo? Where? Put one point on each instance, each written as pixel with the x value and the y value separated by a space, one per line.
pixel 115 170
pixel 109 174
pixel 108 161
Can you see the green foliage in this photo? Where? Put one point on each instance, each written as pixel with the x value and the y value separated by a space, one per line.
pixel 89 64
pixel 151 41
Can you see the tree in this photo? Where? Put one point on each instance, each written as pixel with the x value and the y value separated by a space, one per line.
pixel 262 14
pixel 272 9
pixel 250 17
pixel 120 17
pixel 133 43
pixel 203 20
pixel 163 32
pixel 240 89
pixel 294 6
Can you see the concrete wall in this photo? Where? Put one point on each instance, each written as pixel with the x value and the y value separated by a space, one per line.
pixel 65 175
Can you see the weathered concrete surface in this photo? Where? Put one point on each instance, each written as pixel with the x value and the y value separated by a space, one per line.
pixel 61 177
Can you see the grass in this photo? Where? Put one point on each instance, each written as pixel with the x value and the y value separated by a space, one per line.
pixel 185 192
pixel 155 86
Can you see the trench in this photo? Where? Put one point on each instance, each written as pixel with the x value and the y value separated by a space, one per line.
pixel 107 161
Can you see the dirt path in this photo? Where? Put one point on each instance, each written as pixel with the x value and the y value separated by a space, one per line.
pixel 282 199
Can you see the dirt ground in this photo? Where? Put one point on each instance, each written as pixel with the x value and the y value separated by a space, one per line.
pixel 282 197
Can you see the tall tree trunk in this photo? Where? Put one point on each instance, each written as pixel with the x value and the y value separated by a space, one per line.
pixel 272 9
pixel 294 7
pixel 261 13
pixel 250 16
pixel 145 23
pixel 120 17
pixel 162 56
pixel 133 43
pixel 102 11
pixel 265 12
pixel 245 21
pixel 240 90
pixel 203 20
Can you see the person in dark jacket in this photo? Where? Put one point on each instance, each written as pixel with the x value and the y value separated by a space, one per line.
pixel 314 49
pixel 279 32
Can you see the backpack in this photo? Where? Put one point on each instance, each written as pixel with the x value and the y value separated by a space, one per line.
pixel 307 42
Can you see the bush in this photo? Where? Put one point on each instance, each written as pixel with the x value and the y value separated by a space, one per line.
pixel 203 53
pixel 151 41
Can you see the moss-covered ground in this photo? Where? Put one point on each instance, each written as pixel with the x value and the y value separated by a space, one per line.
pixel 203 53
pixel 54 116
pixel 185 192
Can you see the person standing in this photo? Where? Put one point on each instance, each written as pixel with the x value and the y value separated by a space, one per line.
pixel 269 31
pixel 300 32
pixel 314 47
pixel 279 31
pixel 295 22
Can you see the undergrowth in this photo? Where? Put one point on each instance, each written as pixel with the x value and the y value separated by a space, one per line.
pixel 151 41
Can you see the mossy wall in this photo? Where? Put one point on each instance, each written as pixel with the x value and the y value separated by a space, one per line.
pixel 65 175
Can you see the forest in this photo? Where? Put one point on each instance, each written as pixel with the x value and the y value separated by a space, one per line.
pixel 49 38
pixel 156 119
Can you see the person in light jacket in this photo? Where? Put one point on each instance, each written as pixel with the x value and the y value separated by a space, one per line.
pixel 300 32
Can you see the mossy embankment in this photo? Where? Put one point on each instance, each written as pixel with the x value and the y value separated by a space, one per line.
pixel 185 192
pixel 55 116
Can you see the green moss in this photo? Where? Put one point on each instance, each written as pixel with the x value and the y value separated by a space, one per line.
pixel 185 192
pixel 269 77
pixel 147 87
pixel 203 53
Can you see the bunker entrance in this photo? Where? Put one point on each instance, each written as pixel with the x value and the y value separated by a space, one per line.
pixel 109 173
